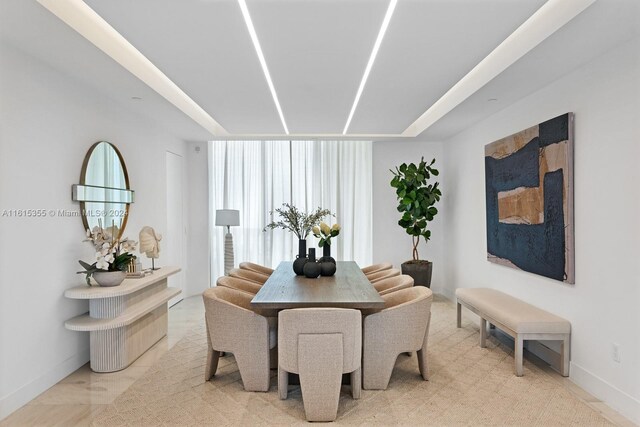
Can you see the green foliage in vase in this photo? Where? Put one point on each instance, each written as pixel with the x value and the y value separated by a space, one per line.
pixel 298 222
pixel 325 233
pixel 416 199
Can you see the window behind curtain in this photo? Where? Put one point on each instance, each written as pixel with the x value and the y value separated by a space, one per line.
pixel 256 177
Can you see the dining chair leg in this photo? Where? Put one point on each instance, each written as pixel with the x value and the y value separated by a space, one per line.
pixel 320 362
pixel 356 383
pixel 212 357
pixel 283 383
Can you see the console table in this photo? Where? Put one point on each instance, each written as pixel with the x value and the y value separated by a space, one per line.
pixel 124 321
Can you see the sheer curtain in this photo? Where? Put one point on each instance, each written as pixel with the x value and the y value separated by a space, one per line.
pixel 256 177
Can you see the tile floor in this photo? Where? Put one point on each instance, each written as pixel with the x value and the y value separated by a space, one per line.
pixel 79 398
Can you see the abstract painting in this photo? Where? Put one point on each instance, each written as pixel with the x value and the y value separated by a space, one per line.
pixel 529 191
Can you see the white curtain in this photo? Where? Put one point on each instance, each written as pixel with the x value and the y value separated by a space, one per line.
pixel 255 177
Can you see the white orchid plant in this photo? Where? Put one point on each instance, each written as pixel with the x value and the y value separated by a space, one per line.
pixel 112 254
pixel 324 232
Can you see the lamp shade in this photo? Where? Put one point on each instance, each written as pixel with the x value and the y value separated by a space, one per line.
pixel 227 217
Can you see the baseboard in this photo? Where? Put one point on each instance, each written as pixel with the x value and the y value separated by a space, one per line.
pixel 448 293
pixel 28 392
pixel 626 405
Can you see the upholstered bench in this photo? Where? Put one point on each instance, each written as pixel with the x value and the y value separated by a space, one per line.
pixel 517 318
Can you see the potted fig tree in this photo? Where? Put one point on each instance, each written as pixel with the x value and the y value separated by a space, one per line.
pixel 416 200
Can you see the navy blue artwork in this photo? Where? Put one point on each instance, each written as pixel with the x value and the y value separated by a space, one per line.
pixel 529 200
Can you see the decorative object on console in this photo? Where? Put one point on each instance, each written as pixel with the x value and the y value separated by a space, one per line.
pixel 113 256
pixel 300 224
pixel 325 233
pixel 150 244
pixel 529 199
pixel 416 200
pixel 228 218
pixel 104 192
pixel 312 268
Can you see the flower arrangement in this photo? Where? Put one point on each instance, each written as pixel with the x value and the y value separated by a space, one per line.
pixel 325 233
pixel 296 221
pixel 112 254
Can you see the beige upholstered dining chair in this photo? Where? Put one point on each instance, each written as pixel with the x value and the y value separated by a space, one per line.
pixel 392 284
pixel 233 327
pixel 385 274
pixel 239 284
pixel 376 268
pixel 248 275
pixel 320 344
pixel 402 326
pixel 257 268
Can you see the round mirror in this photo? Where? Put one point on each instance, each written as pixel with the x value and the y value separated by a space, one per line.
pixel 104 192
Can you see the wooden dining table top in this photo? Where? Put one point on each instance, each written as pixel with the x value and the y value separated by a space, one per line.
pixel 348 288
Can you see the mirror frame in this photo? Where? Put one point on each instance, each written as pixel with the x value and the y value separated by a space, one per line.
pixel 83 173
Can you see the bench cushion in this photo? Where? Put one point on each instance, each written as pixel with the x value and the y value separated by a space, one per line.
pixel 513 313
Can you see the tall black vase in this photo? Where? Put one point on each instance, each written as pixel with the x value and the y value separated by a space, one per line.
pixel 301 260
pixel 326 254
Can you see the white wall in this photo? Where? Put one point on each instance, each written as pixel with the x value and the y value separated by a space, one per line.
pixel 390 242
pixel 47 123
pixel 603 305
pixel 198 235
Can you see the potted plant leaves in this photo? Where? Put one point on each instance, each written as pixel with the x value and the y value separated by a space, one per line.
pixel 416 199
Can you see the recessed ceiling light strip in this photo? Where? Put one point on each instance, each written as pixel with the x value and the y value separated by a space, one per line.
pixel 79 16
pixel 263 62
pixel 553 15
pixel 372 58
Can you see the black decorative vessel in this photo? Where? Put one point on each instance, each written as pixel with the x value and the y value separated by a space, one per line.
pixel 301 260
pixel 326 254
pixel 312 268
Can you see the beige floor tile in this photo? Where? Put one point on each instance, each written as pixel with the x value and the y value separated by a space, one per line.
pixel 468 386
pixel 53 415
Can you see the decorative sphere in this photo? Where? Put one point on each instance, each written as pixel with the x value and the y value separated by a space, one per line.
pixel 311 270
pixel 298 265
pixel 327 268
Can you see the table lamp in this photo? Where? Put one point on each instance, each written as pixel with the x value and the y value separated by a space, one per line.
pixel 228 218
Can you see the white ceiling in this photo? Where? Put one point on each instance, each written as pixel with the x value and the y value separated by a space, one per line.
pixel 316 51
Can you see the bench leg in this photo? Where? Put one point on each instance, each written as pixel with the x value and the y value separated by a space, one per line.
pixel 564 355
pixel 483 332
pixel 519 348
pixel 459 324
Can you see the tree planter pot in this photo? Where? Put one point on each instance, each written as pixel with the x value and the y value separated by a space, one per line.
pixel 420 271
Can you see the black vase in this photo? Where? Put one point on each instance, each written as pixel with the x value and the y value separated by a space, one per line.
pixel 326 255
pixel 301 260
pixel 312 268
pixel 327 268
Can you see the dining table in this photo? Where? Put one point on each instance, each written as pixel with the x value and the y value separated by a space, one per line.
pixel 347 288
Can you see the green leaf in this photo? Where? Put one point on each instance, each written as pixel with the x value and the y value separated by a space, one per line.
pixel 403 167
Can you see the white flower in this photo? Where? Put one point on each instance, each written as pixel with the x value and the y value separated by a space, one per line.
pixel 316 230
pixel 325 228
pixel 99 255
pixel 336 227
pixel 102 264
pixel 109 258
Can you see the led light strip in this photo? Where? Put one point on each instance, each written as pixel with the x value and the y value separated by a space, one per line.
pixel 79 16
pixel 553 15
pixel 372 58
pixel 263 62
